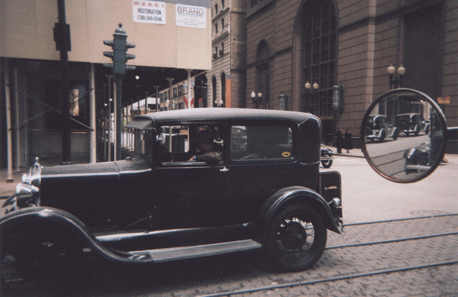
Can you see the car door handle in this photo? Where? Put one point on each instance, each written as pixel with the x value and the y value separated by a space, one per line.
pixel 224 169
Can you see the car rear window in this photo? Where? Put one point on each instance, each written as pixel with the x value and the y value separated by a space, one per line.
pixel 261 142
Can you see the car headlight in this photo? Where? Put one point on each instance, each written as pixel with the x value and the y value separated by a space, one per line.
pixel 27 192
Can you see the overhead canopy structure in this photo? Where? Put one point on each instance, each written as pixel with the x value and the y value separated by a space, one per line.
pixel 176 40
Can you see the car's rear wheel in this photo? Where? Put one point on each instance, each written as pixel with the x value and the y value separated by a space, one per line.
pixel 296 238
pixel 327 163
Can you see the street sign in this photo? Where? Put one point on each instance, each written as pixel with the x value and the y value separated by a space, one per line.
pixel 443 100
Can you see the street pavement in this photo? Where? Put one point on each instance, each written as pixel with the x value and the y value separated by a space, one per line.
pixel 393 245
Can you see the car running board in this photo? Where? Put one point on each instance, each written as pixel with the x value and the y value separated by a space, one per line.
pixel 180 253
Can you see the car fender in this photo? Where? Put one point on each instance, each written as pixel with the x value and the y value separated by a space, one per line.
pixel 292 195
pixel 412 155
pixel 47 216
pixel 394 131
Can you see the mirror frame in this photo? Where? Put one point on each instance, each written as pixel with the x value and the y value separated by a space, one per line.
pixel 444 128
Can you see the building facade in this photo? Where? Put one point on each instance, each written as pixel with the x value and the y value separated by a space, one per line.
pixel 173 44
pixel 226 80
pixel 303 48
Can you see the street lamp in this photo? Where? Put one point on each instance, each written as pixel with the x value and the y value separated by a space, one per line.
pixel 255 99
pixel 310 87
pixel 396 79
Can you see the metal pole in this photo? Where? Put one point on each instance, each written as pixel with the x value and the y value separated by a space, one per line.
pixel 92 121
pixel 146 102
pixel 9 138
pixel 18 136
pixel 66 136
pixel 189 88
pixel 118 104
pixel 112 121
pixel 157 97
pixel 170 87
pixel 103 128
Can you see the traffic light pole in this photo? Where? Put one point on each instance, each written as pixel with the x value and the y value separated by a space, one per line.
pixel 66 135
pixel 119 58
pixel 119 79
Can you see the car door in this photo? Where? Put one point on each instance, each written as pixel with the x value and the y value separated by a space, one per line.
pixel 261 160
pixel 187 190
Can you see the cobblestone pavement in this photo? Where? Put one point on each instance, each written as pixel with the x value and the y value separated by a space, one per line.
pixel 414 267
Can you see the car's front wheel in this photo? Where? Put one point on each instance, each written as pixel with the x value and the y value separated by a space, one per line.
pixel 296 238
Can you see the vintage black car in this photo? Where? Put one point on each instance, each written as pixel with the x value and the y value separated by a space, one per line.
pixel 411 123
pixel 165 203
pixel 378 127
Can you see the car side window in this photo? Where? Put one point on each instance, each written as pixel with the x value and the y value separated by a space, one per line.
pixel 191 145
pixel 261 142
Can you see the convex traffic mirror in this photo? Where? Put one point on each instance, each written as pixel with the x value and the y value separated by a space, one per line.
pixel 403 135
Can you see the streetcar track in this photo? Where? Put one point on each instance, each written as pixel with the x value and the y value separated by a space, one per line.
pixel 358 275
pixel 350 276
pixel 391 240
pixel 401 219
pixel 331 279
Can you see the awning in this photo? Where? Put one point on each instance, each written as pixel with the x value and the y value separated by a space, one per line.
pixel 142 124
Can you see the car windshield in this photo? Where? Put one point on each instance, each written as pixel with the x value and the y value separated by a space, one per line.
pixel 403 118
pixel 140 142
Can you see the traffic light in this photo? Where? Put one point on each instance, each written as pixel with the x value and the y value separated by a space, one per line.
pixel 119 54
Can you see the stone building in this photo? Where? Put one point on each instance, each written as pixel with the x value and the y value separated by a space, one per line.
pixel 350 44
pixel 226 80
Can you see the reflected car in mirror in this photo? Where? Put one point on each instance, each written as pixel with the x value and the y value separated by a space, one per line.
pixel 378 128
pixel 411 123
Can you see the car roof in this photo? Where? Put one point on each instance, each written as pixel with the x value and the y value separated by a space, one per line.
pixel 224 114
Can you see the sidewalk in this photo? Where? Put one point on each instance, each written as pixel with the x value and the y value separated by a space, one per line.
pixel 356 152
pixel 8 188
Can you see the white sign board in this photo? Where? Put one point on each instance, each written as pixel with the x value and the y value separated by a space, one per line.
pixel 147 11
pixel 191 16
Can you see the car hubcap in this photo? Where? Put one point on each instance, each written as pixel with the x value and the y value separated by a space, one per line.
pixel 293 234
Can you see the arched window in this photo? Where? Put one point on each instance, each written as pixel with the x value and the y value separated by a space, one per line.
pixel 263 74
pixel 319 58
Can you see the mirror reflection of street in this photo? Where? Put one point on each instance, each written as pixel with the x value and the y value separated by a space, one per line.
pixel 389 156
pixel 403 135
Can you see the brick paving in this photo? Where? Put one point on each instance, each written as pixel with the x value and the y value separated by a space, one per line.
pixel 230 274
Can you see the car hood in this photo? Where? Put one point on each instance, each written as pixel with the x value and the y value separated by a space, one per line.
pixel 61 171
pixel 96 193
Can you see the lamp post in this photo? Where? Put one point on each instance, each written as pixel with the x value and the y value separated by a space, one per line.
pixel 256 99
pixel 309 88
pixel 396 79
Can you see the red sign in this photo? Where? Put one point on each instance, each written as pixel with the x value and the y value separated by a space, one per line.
pixel 443 100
